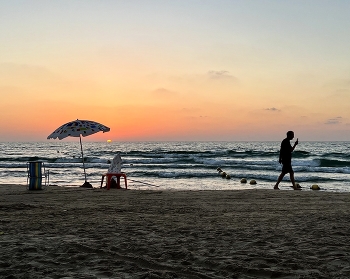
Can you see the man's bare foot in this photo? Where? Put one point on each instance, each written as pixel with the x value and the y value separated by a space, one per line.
pixel 276 188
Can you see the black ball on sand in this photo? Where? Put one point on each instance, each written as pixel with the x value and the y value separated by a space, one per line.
pixel 86 185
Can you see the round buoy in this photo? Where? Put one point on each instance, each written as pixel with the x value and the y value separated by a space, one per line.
pixel 223 174
pixel 228 176
pixel 315 187
pixel 252 182
pixel 243 180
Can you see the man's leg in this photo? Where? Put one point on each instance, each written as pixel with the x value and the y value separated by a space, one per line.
pixel 293 181
pixel 279 180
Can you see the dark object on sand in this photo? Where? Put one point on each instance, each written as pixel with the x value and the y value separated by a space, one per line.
pixel 86 185
pixel 115 184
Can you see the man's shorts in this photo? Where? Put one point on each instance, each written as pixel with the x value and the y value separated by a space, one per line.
pixel 287 169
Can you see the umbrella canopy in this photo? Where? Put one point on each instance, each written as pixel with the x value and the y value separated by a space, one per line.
pixel 78 128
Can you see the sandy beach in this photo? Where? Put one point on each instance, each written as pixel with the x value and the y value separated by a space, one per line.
pixel 67 232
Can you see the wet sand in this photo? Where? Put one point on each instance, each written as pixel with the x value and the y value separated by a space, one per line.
pixel 67 232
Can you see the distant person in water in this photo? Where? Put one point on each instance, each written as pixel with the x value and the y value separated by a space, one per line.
pixel 285 159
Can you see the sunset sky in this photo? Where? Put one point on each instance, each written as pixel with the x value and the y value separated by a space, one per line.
pixel 176 70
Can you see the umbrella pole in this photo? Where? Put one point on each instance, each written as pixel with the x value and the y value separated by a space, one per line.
pixel 82 156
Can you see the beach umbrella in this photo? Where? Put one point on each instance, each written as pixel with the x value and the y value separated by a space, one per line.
pixel 78 128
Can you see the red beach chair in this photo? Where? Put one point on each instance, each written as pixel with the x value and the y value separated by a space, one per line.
pixel 114 170
pixel 109 179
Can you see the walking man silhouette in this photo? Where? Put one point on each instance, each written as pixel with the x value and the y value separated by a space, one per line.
pixel 285 159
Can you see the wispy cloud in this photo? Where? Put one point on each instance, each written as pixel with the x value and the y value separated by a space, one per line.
pixel 272 109
pixel 335 120
pixel 220 75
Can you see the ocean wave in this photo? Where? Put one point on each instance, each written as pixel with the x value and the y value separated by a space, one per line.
pixel 336 155
pixel 334 163
pixel 172 162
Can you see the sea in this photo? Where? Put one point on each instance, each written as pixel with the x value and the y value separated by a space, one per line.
pixel 181 165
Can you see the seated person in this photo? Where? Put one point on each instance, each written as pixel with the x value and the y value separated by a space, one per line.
pixel 115 167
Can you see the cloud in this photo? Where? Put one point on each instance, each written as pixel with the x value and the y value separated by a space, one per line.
pixel 333 121
pixel 272 109
pixel 220 75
